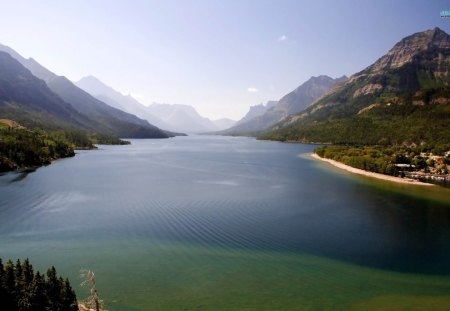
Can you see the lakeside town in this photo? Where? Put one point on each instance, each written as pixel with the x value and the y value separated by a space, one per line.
pixel 427 167
pixel 406 163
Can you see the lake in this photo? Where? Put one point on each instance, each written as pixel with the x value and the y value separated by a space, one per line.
pixel 223 223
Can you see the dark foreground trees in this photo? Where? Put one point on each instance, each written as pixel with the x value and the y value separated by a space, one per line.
pixel 23 289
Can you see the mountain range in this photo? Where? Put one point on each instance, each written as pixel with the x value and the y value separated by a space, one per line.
pixel 262 117
pixel 402 98
pixel 179 118
pixel 182 117
pixel 127 103
pixel 28 100
pixel 86 112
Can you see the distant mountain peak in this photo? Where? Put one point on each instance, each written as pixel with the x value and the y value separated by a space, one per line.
pixel 182 118
pixel 91 77
pixel 401 98
pixel 93 82
pixel 320 78
pixel 436 32
pixel 306 93
pixel 261 117
pixel 406 49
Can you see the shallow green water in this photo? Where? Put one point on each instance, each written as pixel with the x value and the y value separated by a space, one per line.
pixel 213 223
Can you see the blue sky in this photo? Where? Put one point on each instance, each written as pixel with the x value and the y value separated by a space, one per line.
pixel 219 56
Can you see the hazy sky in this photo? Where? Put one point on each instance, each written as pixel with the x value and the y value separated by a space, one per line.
pixel 219 56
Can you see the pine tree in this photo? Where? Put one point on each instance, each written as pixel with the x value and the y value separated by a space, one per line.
pixel 38 297
pixel 53 287
pixel 23 290
pixel 24 301
pixel 69 299
pixel 3 296
pixel 28 273
pixel 19 275
pixel 10 286
pixel 23 295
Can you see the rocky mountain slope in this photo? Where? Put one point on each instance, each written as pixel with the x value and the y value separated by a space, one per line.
pixel 256 111
pixel 295 101
pixel 29 101
pixel 403 98
pixel 305 94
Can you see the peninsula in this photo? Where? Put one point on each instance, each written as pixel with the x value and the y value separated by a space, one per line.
pixel 358 171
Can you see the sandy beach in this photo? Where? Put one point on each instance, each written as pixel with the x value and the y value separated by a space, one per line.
pixel 371 174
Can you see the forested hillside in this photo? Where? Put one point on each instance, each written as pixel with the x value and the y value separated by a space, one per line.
pixel 401 99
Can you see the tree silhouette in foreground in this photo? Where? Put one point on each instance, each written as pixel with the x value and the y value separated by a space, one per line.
pixel 22 289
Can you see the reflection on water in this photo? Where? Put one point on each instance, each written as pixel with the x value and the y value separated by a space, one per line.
pixel 17 176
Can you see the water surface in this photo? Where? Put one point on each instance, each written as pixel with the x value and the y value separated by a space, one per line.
pixel 219 223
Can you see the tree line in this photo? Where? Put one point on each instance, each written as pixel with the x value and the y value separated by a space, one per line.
pixel 23 148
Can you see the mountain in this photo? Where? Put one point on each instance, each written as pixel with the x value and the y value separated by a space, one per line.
pixel 256 111
pixel 38 70
pixel 294 102
pixel 96 115
pixel 182 118
pixel 224 123
pixel 127 103
pixel 403 98
pixel 29 101
pixel 178 118
pixel 95 87
pixel 305 94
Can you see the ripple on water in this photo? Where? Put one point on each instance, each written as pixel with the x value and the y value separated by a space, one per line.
pixel 223 222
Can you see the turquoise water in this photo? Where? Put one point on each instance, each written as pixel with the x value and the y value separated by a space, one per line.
pixel 219 223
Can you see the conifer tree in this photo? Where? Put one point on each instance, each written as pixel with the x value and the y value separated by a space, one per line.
pixel 3 296
pixel 53 286
pixel 38 293
pixel 68 297
pixel 10 286
pixel 23 290
pixel 28 273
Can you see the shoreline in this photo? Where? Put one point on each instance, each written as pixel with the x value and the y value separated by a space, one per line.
pixel 370 174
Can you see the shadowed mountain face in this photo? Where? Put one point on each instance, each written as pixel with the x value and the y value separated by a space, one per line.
pixel 29 101
pixel 93 115
pixel 404 97
pixel 263 117
pixel 33 66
